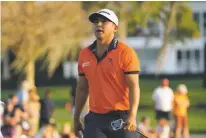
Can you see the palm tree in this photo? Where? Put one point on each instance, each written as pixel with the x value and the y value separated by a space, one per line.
pixel 42 29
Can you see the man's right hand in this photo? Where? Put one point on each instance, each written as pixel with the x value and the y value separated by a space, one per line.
pixel 78 128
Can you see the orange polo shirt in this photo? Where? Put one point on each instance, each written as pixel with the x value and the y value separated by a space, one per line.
pixel 108 90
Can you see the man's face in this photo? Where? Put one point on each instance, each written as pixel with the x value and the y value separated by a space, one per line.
pixel 147 122
pixel 15 100
pixel 165 82
pixel 103 28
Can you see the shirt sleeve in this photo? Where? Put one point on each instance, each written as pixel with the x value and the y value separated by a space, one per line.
pixel 80 69
pixel 131 64
pixel 154 95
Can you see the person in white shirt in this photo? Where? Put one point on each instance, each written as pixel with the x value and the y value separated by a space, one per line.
pixel 2 105
pixel 163 97
pixel 163 129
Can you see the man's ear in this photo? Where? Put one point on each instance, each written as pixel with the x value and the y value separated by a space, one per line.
pixel 115 29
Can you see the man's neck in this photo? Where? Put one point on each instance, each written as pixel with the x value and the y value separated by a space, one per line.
pixel 103 44
pixel 164 86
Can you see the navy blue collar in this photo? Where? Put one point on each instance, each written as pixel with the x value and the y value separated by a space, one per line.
pixel 112 46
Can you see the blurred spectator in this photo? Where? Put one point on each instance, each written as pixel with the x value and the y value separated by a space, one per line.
pixel 163 129
pixel 55 133
pixel 22 94
pixel 44 132
pixel 1 116
pixel 48 131
pixel 163 97
pixel 33 110
pixel 66 131
pixel 13 110
pixel 17 113
pixel 14 99
pixel 8 129
pixel 47 108
pixel 8 109
pixel 19 131
pixel 73 94
pixel 181 104
pixel 26 129
pixel 145 128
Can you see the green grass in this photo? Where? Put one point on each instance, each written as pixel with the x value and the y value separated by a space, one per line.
pixel 197 95
pixel 197 117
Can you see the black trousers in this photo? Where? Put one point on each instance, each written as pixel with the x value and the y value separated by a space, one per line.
pixel 101 125
pixel 43 121
pixel 162 114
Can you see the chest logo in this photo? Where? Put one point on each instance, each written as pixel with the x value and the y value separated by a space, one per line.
pixel 85 64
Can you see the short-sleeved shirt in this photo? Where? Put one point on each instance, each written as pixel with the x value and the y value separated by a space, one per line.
pixel 163 131
pixel 180 110
pixel 143 128
pixel 163 97
pixel 108 90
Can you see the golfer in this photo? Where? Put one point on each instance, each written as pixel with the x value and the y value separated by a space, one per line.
pixel 108 74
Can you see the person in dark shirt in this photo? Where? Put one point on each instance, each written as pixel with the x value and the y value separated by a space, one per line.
pixel 47 108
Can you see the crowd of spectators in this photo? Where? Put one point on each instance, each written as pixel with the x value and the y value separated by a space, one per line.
pixel 26 115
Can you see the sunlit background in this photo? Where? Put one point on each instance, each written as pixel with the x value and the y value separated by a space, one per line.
pixel 40 43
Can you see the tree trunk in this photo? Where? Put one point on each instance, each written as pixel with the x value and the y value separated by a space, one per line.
pixel 122 23
pixel 6 70
pixel 30 73
pixel 204 76
pixel 167 30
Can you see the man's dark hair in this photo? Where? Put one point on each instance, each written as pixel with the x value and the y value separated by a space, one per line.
pixel 11 96
pixel 144 118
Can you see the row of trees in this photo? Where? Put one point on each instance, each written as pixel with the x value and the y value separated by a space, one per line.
pixel 51 30
pixel 176 17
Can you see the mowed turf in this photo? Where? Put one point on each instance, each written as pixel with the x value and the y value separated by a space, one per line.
pixel 197 96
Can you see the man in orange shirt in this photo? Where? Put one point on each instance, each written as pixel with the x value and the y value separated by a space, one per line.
pixel 181 104
pixel 108 71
